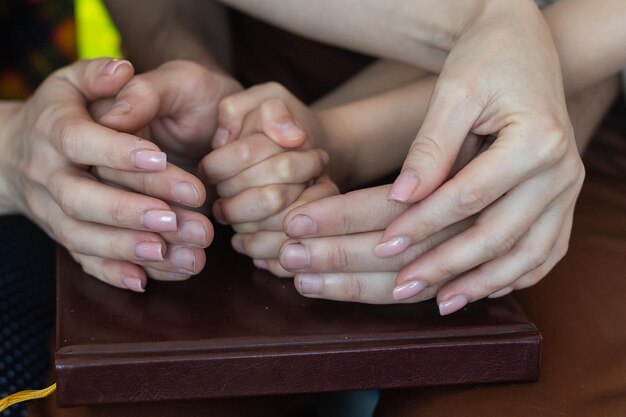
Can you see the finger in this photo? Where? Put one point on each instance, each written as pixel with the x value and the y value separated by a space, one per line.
pixel 272 117
pixel 370 288
pixel 449 119
pixel 173 184
pixel 344 214
pixel 323 187
pixel 165 275
pixel 83 198
pixel 284 168
pixel 260 245
pixel 354 253
pixel 273 266
pixel 537 248
pixel 194 229
pixel 256 203
pixel 180 261
pixel 114 272
pixel 230 160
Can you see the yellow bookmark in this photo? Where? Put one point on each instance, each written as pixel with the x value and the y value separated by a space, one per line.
pixel 18 397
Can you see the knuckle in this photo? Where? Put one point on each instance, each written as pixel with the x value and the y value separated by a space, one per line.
pixel 538 257
pixel 69 137
pixel 66 198
pixel 338 259
pixel 500 242
pixel 274 87
pixel 353 288
pixel 555 140
pixel 284 169
pixel 245 152
pixel 472 201
pixel 273 198
pixel 425 148
pixel 118 212
pixel 228 108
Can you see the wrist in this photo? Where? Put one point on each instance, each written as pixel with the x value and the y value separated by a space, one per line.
pixel 9 114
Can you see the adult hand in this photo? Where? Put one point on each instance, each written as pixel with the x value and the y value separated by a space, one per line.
pixel 501 78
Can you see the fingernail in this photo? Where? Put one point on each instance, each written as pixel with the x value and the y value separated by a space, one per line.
pixel 186 193
pixel 310 284
pixel 261 263
pixel 290 130
pixel 392 247
pixel 221 137
pixel 119 109
pixel 149 251
pixel 453 304
pixel 112 66
pixel 301 226
pixel 159 220
pixel 150 160
pixel 294 257
pixel 237 244
pixel 184 258
pixel 133 284
pixel 501 293
pixel 408 290
pixel 404 186
pixel 218 213
pixel 194 232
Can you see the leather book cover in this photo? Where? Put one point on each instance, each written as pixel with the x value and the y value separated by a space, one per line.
pixel 234 330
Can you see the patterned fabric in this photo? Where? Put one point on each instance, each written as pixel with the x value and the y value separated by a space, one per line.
pixel 38 37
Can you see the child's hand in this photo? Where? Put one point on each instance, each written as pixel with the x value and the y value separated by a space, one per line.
pixel 272 169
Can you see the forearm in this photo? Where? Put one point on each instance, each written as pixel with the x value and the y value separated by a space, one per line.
pixel 154 32
pixel 590 37
pixel 8 112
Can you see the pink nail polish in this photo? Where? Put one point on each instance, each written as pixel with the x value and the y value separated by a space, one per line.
pixel 149 160
pixel 193 232
pixel 294 257
pixel 404 186
pixel 392 247
pixel 221 137
pixel 112 66
pixel 133 284
pixel 149 251
pixel 184 258
pixel 310 284
pixel 501 293
pixel 159 220
pixel 301 226
pixel 186 193
pixel 453 304
pixel 408 290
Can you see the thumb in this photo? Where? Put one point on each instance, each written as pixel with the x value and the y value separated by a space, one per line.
pixel 449 119
pixel 279 124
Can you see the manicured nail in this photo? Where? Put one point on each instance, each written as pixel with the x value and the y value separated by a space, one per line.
pixel 453 304
pixel 501 293
pixel 301 226
pixel 310 284
pixel 221 137
pixel 184 258
pixel 404 186
pixel 194 232
pixel 237 244
pixel 149 251
pixel 408 290
pixel 261 263
pixel 149 160
pixel 218 213
pixel 112 66
pixel 159 220
pixel 392 247
pixel 290 130
pixel 186 193
pixel 294 257
pixel 133 284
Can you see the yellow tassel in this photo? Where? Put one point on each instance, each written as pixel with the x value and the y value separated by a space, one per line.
pixel 18 397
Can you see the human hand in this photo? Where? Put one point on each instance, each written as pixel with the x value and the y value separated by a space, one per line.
pixel 502 77
pixel 50 141
pixel 271 169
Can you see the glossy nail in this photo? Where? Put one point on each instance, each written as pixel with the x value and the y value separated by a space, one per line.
pixel 184 258
pixel 194 232
pixel 294 257
pixel 502 292
pixel 453 304
pixel 221 137
pixel 290 130
pixel 149 160
pixel 159 220
pixel 408 290
pixel 186 193
pixel 111 67
pixel 310 284
pixel 133 284
pixel 404 186
pixel 149 251
pixel 392 247
pixel 301 226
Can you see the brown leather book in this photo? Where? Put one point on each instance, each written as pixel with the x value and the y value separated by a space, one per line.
pixel 238 331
